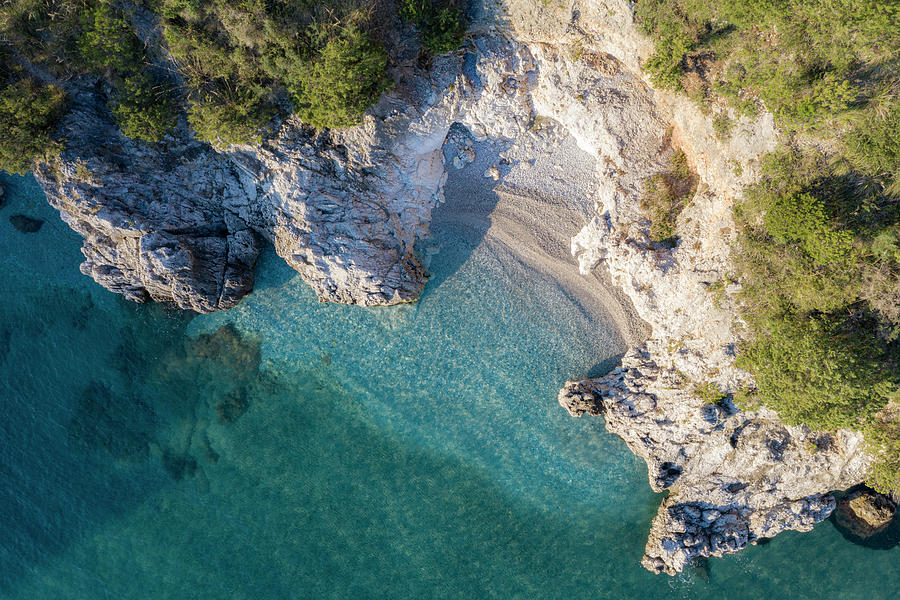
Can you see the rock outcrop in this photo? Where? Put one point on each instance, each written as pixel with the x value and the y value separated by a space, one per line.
pixel 180 221
pixel 343 208
pixel 864 513
pixel 155 218
pixel 734 477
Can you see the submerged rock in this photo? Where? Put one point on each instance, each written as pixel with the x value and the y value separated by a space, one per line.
pixel 180 222
pixel 864 513
pixel 179 466
pixel 238 354
pixel 26 224
pixel 122 426
pixel 232 405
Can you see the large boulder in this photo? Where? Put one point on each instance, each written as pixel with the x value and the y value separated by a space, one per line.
pixel 864 513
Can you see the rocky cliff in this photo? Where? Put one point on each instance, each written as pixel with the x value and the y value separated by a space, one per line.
pixel 156 219
pixel 181 222
pixel 733 477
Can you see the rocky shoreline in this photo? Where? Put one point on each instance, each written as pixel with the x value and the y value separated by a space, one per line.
pixel 183 222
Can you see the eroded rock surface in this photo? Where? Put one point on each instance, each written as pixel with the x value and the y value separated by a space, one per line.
pixel 864 513
pixel 155 218
pixel 179 222
pixel 734 477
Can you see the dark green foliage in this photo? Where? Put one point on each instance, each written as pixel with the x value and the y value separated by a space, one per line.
pixel 346 78
pixel 440 22
pixel 710 393
pixel 820 271
pixel 68 37
pixel 665 196
pixel 108 45
pixel 722 125
pixel 666 66
pixel 243 62
pixel 143 109
pixel 801 220
pixel 247 60
pixel 819 251
pixel 800 58
pixel 819 371
pixel 229 116
pixel 28 114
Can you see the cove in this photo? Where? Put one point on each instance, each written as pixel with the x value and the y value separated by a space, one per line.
pixel 292 449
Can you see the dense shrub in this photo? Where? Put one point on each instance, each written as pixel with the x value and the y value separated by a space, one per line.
pixel 143 109
pixel 108 45
pixel 247 60
pixel 820 269
pixel 242 62
pixel 66 37
pixel 819 372
pixel 666 65
pixel 28 113
pixel 801 58
pixel 346 77
pixel 440 21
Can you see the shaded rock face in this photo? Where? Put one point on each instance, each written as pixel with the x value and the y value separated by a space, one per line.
pixel 864 513
pixel 155 218
pixel 734 477
pixel 179 221
pixel 346 223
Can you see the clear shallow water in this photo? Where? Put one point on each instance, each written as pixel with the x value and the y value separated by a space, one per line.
pixel 290 449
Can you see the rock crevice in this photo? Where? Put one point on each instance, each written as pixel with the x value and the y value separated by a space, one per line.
pixel 182 222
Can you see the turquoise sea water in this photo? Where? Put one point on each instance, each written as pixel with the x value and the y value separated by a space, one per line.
pixel 291 449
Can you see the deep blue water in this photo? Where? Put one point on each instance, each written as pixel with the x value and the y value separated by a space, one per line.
pixel 292 449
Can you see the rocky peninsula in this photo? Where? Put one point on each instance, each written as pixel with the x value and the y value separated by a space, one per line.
pixel 182 221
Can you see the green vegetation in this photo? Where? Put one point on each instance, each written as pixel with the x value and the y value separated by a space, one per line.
pixel 665 196
pixel 28 114
pixel 248 60
pixel 67 37
pixel 821 272
pixel 343 82
pixel 440 22
pixel 710 393
pixel 806 60
pixel 722 125
pixel 143 108
pixel 819 248
pixel 241 63
pixel 719 290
